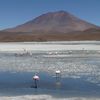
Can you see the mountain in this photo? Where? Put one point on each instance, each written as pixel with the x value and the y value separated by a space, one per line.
pixel 52 26
pixel 60 21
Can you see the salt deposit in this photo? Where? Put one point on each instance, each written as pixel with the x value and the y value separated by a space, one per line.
pixel 45 97
pixel 47 46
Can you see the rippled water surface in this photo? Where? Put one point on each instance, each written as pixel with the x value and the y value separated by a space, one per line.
pixel 80 72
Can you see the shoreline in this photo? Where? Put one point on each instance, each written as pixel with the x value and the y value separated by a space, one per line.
pixel 49 46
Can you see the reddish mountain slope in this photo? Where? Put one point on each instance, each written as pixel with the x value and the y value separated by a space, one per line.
pixel 60 21
pixel 52 26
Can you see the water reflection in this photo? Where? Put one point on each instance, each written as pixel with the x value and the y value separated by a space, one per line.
pixel 58 83
pixel 78 73
pixel 19 81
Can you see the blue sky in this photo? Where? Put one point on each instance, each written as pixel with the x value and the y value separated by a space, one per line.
pixel 15 12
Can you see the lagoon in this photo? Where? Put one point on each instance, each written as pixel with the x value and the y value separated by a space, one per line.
pixel 79 63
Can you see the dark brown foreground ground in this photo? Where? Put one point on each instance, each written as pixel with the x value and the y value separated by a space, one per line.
pixel 92 34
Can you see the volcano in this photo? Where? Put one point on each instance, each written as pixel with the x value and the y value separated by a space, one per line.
pixel 60 21
pixel 60 25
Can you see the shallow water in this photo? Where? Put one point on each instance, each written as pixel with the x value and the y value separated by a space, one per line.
pixel 14 84
pixel 80 73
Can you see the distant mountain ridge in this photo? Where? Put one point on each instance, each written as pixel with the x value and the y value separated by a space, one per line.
pixel 60 21
pixel 52 26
